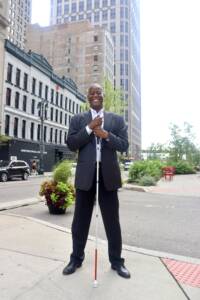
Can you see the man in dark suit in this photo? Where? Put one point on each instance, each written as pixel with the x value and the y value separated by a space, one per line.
pixel 85 131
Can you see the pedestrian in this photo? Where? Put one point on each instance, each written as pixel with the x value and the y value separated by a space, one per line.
pixel 84 131
pixel 34 167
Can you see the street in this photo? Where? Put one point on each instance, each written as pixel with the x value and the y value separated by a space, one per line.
pixel 152 221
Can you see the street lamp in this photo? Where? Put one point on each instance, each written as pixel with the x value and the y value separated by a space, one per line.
pixel 42 108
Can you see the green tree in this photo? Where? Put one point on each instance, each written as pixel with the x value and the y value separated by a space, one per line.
pixel 156 151
pixel 4 138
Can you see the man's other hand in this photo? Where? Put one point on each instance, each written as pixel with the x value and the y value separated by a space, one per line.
pixel 99 132
pixel 97 122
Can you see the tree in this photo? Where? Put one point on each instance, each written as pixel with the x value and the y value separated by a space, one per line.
pixel 182 145
pixel 156 151
pixel 4 139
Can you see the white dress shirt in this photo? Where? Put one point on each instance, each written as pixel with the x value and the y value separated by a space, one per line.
pixel 89 131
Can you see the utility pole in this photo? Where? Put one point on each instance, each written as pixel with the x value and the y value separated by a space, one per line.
pixel 42 107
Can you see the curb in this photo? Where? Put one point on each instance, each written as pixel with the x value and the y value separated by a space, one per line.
pixel 19 203
pixel 136 188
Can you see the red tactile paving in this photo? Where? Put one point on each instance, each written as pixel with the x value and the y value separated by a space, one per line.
pixel 184 272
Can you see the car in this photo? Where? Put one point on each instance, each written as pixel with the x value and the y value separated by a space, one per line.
pixel 127 165
pixel 14 169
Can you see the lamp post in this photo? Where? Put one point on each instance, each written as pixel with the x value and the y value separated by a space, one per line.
pixel 42 107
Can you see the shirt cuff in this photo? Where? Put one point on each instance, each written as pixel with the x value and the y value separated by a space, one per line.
pixel 89 131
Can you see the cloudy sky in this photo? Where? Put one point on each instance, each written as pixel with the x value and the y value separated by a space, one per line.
pixel 170 64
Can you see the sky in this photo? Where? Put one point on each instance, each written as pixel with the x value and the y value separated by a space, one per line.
pixel 170 64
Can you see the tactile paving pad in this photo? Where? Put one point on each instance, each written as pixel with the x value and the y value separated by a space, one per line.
pixel 186 273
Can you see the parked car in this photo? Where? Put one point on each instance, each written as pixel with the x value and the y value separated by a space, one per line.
pixel 127 165
pixel 14 169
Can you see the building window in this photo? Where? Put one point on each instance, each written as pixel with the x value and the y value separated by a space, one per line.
pixel 96 3
pixel 18 74
pixel 57 95
pixel 77 108
pixel 81 17
pixel 95 57
pixel 52 95
pixel 56 115
pixel 61 117
pixel 73 107
pixel 56 136
pixel 40 89
pixel 7 125
pixel 95 38
pixel 61 100
pixel 89 4
pixel 96 16
pixel 104 15
pixel 33 107
pixel 112 27
pixel 66 9
pixel 15 132
pixel 38 132
pixel 105 3
pixel 33 86
pixel 66 103
pixel 23 129
pixel 8 96
pixel 51 114
pixel 16 100
pixel 51 135
pixel 59 10
pixel 89 17
pixel 73 7
pixel 32 131
pixel 65 137
pixel 45 133
pixel 70 103
pixel 65 119
pixel 73 18
pixel 81 6
pixel 9 73
pixel 60 136
pixel 46 92
pixel 112 2
pixel 25 81
pixel 112 13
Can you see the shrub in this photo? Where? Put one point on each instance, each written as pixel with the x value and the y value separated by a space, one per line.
pixel 151 168
pixel 147 180
pixel 183 167
pixel 62 171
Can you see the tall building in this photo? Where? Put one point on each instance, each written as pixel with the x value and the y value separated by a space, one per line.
pixel 19 18
pixel 121 18
pixel 35 98
pixel 77 50
pixel 3 33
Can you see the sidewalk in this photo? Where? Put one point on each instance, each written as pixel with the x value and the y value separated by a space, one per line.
pixel 33 254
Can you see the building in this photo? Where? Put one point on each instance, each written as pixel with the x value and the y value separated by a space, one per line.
pixel 3 32
pixel 19 18
pixel 121 18
pixel 32 92
pixel 76 50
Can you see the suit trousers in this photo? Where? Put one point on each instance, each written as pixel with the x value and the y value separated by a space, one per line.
pixel 109 206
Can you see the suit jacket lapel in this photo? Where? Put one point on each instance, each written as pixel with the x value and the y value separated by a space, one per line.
pixel 107 121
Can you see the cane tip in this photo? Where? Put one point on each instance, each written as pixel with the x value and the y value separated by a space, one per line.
pixel 95 283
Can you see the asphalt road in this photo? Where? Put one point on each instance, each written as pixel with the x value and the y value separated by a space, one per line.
pixel 151 221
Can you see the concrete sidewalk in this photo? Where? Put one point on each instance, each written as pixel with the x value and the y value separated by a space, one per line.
pixel 33 254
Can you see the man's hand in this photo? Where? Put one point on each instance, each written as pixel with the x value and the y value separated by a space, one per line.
pixel 97 122
pixel 101 133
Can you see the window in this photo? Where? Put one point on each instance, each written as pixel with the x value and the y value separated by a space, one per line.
pixel 45 133
pixel 95 38
pixel 61 100
pixel 95 57
pixel 51 135
pixel 46 92
pixel 66 9
pixel 112 2
pixel 8 96
pixel 70 103
pixel 104 15
pixel 59 11
pixel 15 132
pixel 77 108
pixel 16 100
pixel 112 13
pixel 89 4
pixel 38 132
pixel 61 117
pixel 73 18
pixel 51 116
pixel 81 6
pixel 66 103
pixel 81 17
pixel 57 95
pixel 7 125
pixel 65 137
pixel 52 95
pixel 32 131
pixel 65 119
pixel 33 85
pixel 25 81
pixel 73 106
pixel 96 16
pixel 9 73
pixel 56 115
pixel 60 136
pixel 23 129
pixel 40 89
pixel 18 74
pixel 89 17
pixel 112 27
pixel 33 107
pixel 73 7
pixel 105 3
pixel 56 136
pixel 96 4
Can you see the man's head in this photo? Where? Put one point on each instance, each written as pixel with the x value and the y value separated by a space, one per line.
pixel 95 96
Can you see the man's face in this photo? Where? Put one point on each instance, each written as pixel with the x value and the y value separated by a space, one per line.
pixel 95 97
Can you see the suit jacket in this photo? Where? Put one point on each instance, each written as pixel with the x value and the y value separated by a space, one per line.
pixel 79 140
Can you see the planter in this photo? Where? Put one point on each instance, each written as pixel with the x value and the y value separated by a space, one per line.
pixel 53 210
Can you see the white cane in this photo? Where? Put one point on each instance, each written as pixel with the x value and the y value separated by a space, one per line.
pixel 95 283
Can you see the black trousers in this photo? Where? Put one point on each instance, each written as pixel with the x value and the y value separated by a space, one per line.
pixel 109 206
